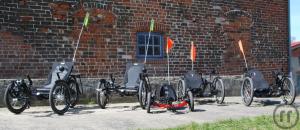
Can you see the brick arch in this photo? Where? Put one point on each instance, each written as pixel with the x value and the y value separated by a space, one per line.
pixel 238 27
pixel 145 27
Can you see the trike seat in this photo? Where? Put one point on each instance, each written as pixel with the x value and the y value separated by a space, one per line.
pixel 167 92
pixel 132 75
pixel 193 80
pixel 63 69
pixel 259 82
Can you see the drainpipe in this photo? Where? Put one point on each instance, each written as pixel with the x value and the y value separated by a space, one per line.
pixel 289 40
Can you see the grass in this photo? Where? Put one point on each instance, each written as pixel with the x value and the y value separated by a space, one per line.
pixel 254 123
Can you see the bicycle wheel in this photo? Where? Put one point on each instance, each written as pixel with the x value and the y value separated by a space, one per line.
pixel 149 102
pixel 191 100
pixel 15 98
pixel 219 86
pixel 102 96
pixel 143 94
pixel 181 88
pixel 74 92
pixel 59 98
pixel 289 91
pixel 247 91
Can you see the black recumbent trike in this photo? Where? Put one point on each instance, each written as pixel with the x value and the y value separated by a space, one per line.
pixel 201 87
pixel 255 85
pixel 62 89
pixel 136 83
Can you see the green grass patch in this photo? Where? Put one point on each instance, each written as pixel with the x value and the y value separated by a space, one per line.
pixel 254 123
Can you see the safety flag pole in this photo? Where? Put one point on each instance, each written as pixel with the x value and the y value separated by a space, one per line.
pixel 170 43
pixel 151 29
pixel 193 54
pixel 85 23
pixel 242 50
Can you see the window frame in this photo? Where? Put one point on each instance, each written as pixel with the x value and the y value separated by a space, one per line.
pixel 146 35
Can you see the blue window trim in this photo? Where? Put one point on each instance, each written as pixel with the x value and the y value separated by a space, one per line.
pixel 147 36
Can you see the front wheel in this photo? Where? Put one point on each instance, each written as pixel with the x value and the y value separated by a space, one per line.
pixel 143 94
pixel 191 100
pixel 219 86
pixel 289 91
pixel 15 98
pixel 74 93
pixel 247 91
pixel 181 88
pixel 149 102
pixel 58 98
pixel 102 96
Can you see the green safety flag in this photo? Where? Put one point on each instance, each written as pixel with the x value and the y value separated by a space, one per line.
pixel 152 25
pixel 86 19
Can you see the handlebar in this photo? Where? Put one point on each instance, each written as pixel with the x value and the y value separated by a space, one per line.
pixel 58 75
pixel 277 72
pixel 29 79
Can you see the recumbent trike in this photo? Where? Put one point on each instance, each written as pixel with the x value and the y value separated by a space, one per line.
pixel 135 83
pixel 201 87
pixel 62 90
pixel 255 85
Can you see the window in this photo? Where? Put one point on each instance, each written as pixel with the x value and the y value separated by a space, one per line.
pixel 155 48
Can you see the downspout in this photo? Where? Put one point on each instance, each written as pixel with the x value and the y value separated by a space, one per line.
pixel 289 40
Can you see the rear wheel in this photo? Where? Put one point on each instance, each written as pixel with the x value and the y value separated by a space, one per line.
pixel 149 102
pixel 143 94
pixel 247 91
pixel 15 98
pixel 181 89
pixel 74 93
pixel 219 86
pixel 102 96
pixel 289 91
pixel 191 100
pixel 59 97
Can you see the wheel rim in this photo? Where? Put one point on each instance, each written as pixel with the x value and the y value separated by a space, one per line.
pixel 191 101
pixel 220 91
pixel 247 91
pixel 16 98
pixel 144 93
pixel 180 90
pixel 102 94
pixel 288 91
pixel 59 98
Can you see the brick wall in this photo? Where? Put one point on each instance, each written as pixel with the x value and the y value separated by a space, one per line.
pixel 34 34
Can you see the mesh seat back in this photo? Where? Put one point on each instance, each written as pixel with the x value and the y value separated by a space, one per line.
pixel 193 80
pixel 52 77
pixel 259 81
pixel 132 74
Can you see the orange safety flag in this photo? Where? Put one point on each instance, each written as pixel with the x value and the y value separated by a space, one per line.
pixel 193 52
pixel 170 43
pixel 241 47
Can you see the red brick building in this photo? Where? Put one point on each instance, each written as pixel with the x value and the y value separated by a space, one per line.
pixel 36 33
pixel 295 63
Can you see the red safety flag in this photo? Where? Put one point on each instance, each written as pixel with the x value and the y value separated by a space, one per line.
pixel 241 47
pixel 170 43
pixel 193 52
